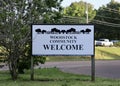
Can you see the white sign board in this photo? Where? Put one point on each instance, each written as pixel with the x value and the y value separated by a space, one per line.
pixel 62 40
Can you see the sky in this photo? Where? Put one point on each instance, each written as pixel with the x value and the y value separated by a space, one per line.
pixel 95 3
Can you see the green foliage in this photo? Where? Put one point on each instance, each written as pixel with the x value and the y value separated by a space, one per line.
pixel 46 11
pixel 25 60
pixel 107 21
pixel 78 9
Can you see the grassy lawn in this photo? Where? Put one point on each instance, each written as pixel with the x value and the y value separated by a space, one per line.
pixel 108 53
pixel 54 77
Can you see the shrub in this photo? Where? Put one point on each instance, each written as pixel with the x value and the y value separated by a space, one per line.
pixel 117 44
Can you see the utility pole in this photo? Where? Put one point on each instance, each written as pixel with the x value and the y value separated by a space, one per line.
pixel 86 12
pixel 92 57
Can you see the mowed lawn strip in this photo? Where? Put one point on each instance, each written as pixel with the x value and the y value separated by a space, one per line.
pixel 54 77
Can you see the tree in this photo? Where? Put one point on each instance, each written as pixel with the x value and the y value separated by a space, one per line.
pixel 107 21
pixel 78 10
pixel 15 19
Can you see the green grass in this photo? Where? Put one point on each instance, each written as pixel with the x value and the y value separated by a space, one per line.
pixel 54 77
pixel 108 53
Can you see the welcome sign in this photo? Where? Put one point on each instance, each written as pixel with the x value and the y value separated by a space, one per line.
pixel 62 40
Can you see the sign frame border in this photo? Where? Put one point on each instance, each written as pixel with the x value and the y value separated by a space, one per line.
pixel 64 54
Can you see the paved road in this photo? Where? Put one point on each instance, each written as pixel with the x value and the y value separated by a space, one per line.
pixel 107 69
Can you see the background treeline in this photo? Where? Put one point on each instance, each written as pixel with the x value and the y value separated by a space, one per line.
pixel 106 19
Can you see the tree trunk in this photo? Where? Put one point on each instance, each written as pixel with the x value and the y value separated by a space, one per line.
pixel 13 71
pixel 12 62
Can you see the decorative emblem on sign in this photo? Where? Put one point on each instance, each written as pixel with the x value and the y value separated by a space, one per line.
pixel 57 31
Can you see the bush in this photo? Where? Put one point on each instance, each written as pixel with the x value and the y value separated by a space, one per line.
pixel 117 44
pixel 25 61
